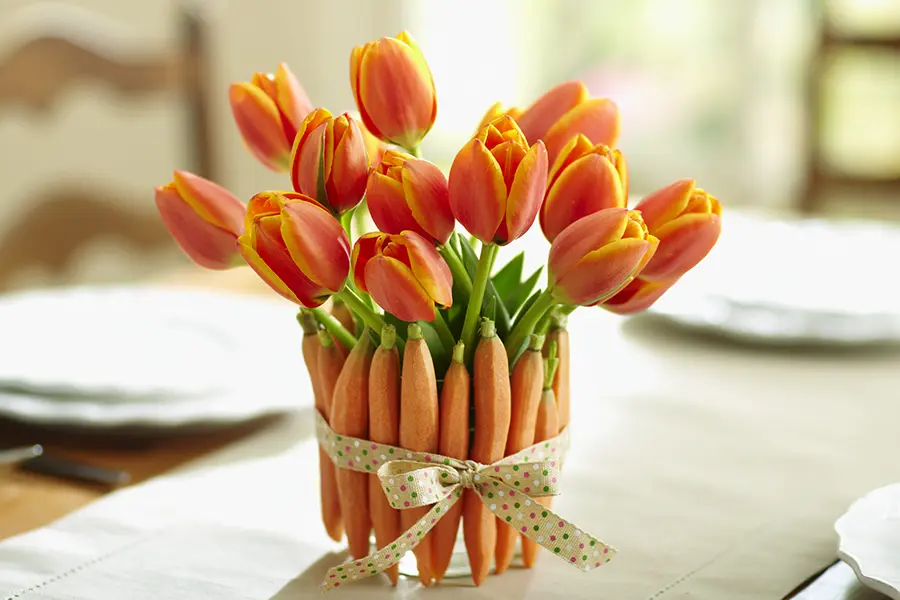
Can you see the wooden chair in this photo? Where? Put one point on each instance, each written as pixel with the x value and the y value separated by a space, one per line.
pixel 69 50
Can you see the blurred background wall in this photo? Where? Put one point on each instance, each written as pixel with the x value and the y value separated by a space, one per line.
pixel 757 99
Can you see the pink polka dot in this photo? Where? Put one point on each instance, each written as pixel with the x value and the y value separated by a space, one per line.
pixel 561 524
pixel 531 515
pixel 332 576
pixel 387 556
pixel 429 490
pixel 337 584
pixel 358 564
pixel 433 521
pixel 362 570
pixel 596 564
pixel 427 458
pixel 526 474
pixel 532 450
pixel 605 550
pixel 350 463
pixel 506 507
pixel 374 446
pixel 346 448
pixel 512 494
pixel 553 480
pixel 552 538
pixel 374 462
pixel 406 505
pixel 552 463
pixel 581 546
pixel 552 449
pixel 572 559
pixel 496 469
pixel 524 529
pixel 402 488
pixel 528 490
pixel 409 535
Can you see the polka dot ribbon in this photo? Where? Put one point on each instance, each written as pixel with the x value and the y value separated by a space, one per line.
pixel 508 488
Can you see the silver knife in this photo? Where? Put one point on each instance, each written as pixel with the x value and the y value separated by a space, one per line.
pixel 17 455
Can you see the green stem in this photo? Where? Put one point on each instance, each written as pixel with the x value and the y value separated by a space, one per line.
pixel 458 270
pixel 334 327
pixel 347 223
pixel 359 217
pixel 416 151
pixel 358 305
pixel 543 325
pixel 473 311
pixel 520 332
pixel 567 309
pixel 443 331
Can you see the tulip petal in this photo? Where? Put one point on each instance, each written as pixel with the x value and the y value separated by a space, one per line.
pixel 665 204
pixel 429 268
pixel 305 164
pixel 291 97
pixel 427 193
pixel 683 243
pixel 346 182
pixel 637 296
pixel 477 191
pixel 538 118
pixel 387 205
pixel 597 119
pixel 259 122
pixel 574 149
pixel 396 290
pixel 365 248
pixel 206 244
pixel 584 236
pixel 211 201
pixel 601 272
pixel 526 193
pixel 317 243
pixel 588 185
pixel 265 273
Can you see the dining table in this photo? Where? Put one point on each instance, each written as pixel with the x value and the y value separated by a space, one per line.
pixel 717 470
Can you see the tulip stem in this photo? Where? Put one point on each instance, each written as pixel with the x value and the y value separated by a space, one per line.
pixel 362 310
pixel 334 327
pixel 443 331
pixel 457 269
pixel 473 310
pixel 520 333
pixel 347 224
pixel 416 151
pixel 543 325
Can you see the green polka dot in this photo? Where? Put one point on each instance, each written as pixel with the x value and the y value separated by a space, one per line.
pixel 584 557
pixel 339 438
pixel 393 504
pixel 565 536
pixel 414 494
pixel 593 542
pixel 390 450
pixel 419 533
pixel 516 483
pixel 496 484
pixel 515 467
pixel 387 489
pixel 370 565
pixel 394 547
pixel 397 555
pixel 365 452
pixel 368 467
pixel 544 513
pixel 340 569
pixel 410 478
pixel 340 453
pixel 373 571
pixel 458 493
pixel 547 445
pixel 343 577
pixel 444 475
pixel 446 461
pixel 536 528
pixel 546 472
pixel 546 488
pixel 508 519
pixel 556 550
pixel 517 505
pixel 437 511
pixel 490 494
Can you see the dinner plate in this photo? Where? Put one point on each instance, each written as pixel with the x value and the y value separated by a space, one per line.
pixel 870 540
pixel 808 281
pixel 147 357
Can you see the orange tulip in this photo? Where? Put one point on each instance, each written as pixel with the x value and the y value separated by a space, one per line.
pixel 586 178
pixel 410 193
pixel 687 222
pixel 335 148
pixel 497 182
pixel 375 148
pixel 638 295
pixel 394 89
pixel 495 112
pixel 204 218
pixel 537 120
pixel 295 246
pixel 595 257
pixel 268 111
pixel 404 274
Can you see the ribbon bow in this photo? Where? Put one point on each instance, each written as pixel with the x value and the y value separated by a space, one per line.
pixel 508 489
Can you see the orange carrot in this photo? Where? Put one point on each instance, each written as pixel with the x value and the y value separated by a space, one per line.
pixel 454 442
pixel 546 427
pixel 350 416
pixel 492 414
pixel 384 428
pixel 419 422
pixel 329 362
pixel 560 335
pixel 343 314
pixel 526 384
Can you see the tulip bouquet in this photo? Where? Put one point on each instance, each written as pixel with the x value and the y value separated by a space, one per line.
pixel 441 383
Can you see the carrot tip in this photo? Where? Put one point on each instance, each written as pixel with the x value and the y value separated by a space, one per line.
pixel 459 352
pixel 488 329
pixel 536 342
pixel 388 336
pixel 308 322
pixel 325 339
pixel 415 332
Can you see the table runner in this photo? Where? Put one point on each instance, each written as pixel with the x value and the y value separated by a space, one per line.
pixel 719 474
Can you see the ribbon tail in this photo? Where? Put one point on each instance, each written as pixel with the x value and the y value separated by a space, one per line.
pixel 390 554
pixel 545 527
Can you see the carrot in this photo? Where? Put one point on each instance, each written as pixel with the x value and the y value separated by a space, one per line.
pixel 343 314
pixel 350 416
pixel 419 421
pixel 492 414
pixel 546 427
pixel 384 428
pixel 560 335
pixel 329 362
pixel 454 442
pixel 526 384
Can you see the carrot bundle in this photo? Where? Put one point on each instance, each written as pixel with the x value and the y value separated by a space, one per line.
pixel 384 428
pixel 526 384
pixel 350 416
pixel 323 358
pixel 560 335
pixel 492 415
pixel 546 426
pixel 419 427
pixel 453 442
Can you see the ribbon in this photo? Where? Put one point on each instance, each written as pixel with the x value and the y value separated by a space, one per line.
pixel 508 488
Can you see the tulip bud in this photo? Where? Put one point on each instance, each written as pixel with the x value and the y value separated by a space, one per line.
pixel 295 246
pixel 497 183
pixel 495 112
pixel 403 273
pixel 586 178
pixel 597 119
pixel 204 218
pixel 410 193
pixel 537 120
pixel 687 222
pixel 638 295
pixel 334 149
pixel 595 257
pixel 394 89
pixel 375 148
pixel 268 111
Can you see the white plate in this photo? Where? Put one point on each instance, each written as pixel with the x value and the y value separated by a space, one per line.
pixel 801 282
pixel 147 357
pixel 870 540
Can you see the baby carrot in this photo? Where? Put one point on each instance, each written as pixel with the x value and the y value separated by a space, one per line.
pixel 526 384
pixel 350 416
pixel 329 362
pixel 342 313
pixel 418 427
pixel 384 428
pixel 492 408
pixel 560 335
pixel 454 442
pixel 546 427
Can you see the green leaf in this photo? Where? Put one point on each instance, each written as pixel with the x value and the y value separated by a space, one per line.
pixel 439 354
pixel 519 294
pixel 470 259
pixel 508 278
pixel 490 309
pixel 526 306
